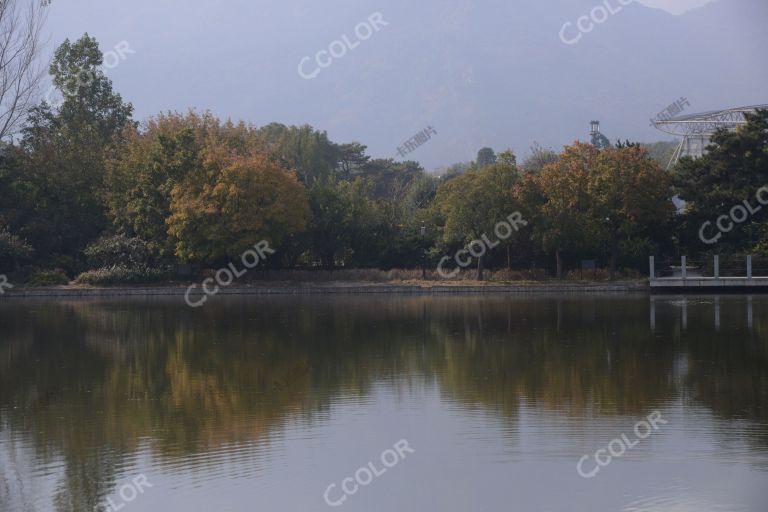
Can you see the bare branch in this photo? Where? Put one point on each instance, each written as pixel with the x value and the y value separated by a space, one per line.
pixel 21 22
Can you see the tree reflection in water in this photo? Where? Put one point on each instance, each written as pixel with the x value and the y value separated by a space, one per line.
pixel 94 383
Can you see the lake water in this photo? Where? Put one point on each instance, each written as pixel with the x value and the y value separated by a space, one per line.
pixel 365 403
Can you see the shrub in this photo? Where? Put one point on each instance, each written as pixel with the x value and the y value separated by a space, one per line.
pixel 47 278
pixel 602 274
pixel 761 249
pixel 12 248
pixel 392 275
pixel 118 250
pixel 123 274
pixel 69 264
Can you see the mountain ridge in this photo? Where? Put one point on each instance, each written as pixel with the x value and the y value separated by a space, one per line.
pixel 492 74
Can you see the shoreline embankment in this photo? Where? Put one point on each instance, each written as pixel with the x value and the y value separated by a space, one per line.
pixel 329 288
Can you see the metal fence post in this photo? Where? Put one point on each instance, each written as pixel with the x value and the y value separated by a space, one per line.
pixel 652 262
pixel 749 267
pixel 717 266
pixel 683 266
pixel 717 313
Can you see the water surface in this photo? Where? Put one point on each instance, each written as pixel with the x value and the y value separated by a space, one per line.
pixel 263 403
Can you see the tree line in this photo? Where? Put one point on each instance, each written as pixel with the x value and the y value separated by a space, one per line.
pixel 87 190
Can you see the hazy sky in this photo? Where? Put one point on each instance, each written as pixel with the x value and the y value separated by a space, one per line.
pixel 492 73
pixel 674 6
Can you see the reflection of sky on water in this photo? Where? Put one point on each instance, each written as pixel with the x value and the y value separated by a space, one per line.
pixel 499 397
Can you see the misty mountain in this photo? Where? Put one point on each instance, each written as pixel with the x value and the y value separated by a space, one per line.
pixel 493 73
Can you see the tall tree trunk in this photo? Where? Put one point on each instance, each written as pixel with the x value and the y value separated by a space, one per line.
pixel 480 268
pixel 329 260
pixel 559 264
pixel 614 254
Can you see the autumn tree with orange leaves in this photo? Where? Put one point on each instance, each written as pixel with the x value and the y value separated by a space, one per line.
pixel 589 198
pixel 233 202
pixel 563 216
pixel 629 191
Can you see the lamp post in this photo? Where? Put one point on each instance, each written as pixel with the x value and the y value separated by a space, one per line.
pixel 423 250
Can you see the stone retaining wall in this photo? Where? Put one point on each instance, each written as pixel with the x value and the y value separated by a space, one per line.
pixel 332 289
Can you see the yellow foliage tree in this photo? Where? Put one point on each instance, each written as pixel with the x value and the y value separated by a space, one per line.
pixel 473 203
pixel 564 222
pixel 590 198
pixel 629 191
pixel 234 202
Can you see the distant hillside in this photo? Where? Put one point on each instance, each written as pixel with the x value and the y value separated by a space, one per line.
pixel 493 73
pixel 661 151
